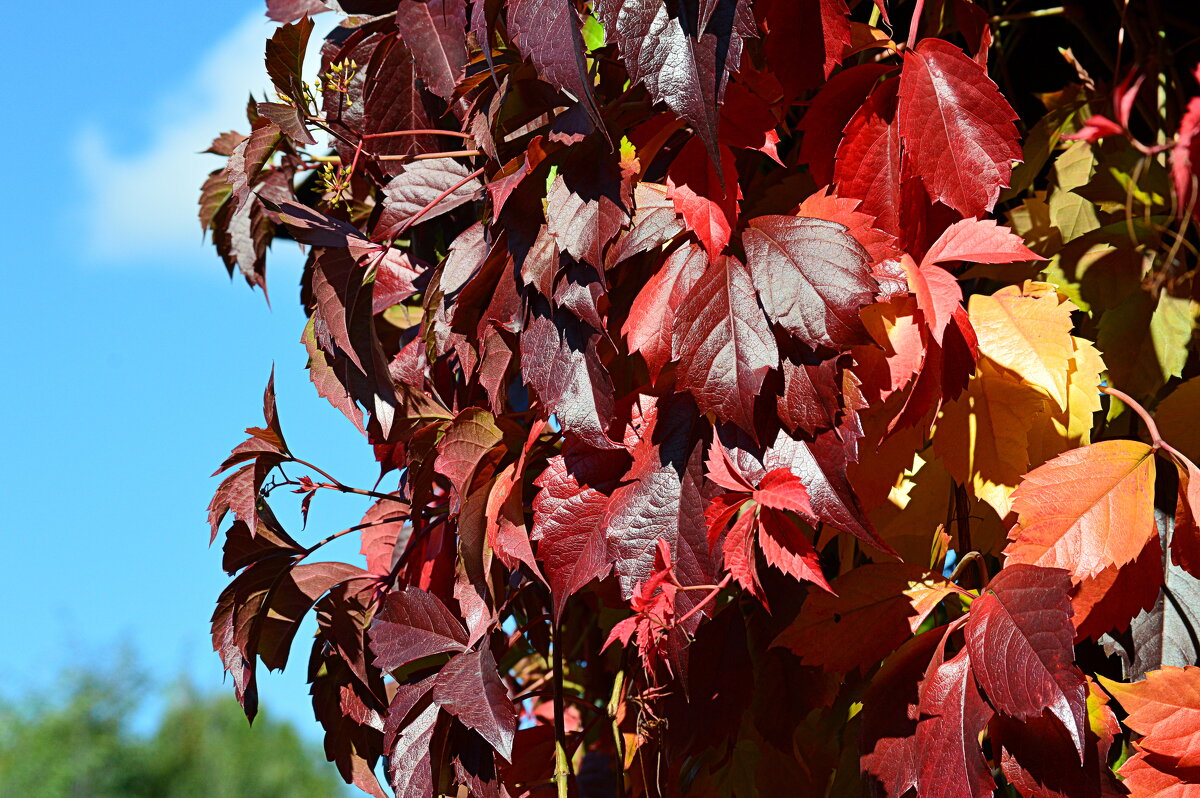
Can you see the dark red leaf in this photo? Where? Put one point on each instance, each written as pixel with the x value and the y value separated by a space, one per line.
pixel 1020 637
pixel 547 32
pixel 285 59
pixel 812 396
pixel 424 190
pixel 805 40
pixel 436 32
pixel 412 624
pixel 723 342
pixel 952 716
pixel 868 165
pixel 470 689
pixel 292 10
pixel 560 362
pixel 812 277
pixel 654 223
pixel 709 208
pixel 661 49
pixel 827 115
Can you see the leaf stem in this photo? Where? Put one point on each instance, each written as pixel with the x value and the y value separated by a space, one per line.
pixel 704 601
pixel 429 156
pixel 433 203
pixel 416 132
pixel 1151 427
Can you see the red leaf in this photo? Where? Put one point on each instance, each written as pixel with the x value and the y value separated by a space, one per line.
pixel 723 343
pixel 442 183
pixel 827 115
pixel 811 399
pixel 654 223
pixel 805 40
pixel 412 624
pixel 568 516
pixel 863 619
pixel 812 276
pixel 868 165
pixel 1185 155
pixel 1164 708
pixel 739 554
pixel 957 128
pixel 378 542
pixel 587 204
pixel 652 313
pixel 786 547
pixel 780 489
pixel 547 32
pixel 888 735
pixel 748 122
pixel 1020 637
pixel 559 360
pixel 1109 601
pixel 292 10
pixel 709 208
pixel 1185 539
pixel 952 717
pixel 938 294
pixel 470 689
pixel 468 441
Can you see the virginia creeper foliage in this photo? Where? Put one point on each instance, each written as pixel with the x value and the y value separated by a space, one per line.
pixel 770 397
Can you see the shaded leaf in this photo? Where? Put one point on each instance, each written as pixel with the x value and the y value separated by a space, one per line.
pixel 411 624
pixel 470 689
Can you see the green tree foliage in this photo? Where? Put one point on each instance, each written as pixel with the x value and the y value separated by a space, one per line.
pixel 84 746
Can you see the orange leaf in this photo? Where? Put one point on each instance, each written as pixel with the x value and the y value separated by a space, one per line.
pixel 1165 709
pixel 1086 509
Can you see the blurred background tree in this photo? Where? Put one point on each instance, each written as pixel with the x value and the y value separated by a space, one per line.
pixel 84 744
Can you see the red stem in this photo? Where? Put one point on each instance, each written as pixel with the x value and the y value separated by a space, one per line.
pixel 417 132
pixel 1151 427
pixel 912 26
pixel 704 601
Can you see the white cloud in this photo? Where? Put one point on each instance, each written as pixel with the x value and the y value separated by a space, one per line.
pixel 141 205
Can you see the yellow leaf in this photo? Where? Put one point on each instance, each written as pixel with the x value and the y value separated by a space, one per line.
pixel 1027 330
pixel 1057 430
pixel 983 435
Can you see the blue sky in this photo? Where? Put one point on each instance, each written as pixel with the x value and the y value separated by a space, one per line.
pixel 133 363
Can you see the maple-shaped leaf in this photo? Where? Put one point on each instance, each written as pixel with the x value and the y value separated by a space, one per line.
pixel 411 624
pixel 952 716
pixel 423 190
pixel 723 342
pixel 559 360
pixel 436 31
pixel 812 276
pixel 865 618
pixel 1086 509
pixel 956 126
pixel 648 329
pixel 694 187
pixel 680 64
pixel 1020 638
pixel 1027 329
pixel 1164 708
pixel 470 689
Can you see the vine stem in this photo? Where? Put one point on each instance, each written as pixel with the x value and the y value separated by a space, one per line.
pixel 416 132
pixel 562 764
pixel 335 484
pixel 433 203
pixel 1151 427
pixel 429 156
pixel 347 531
